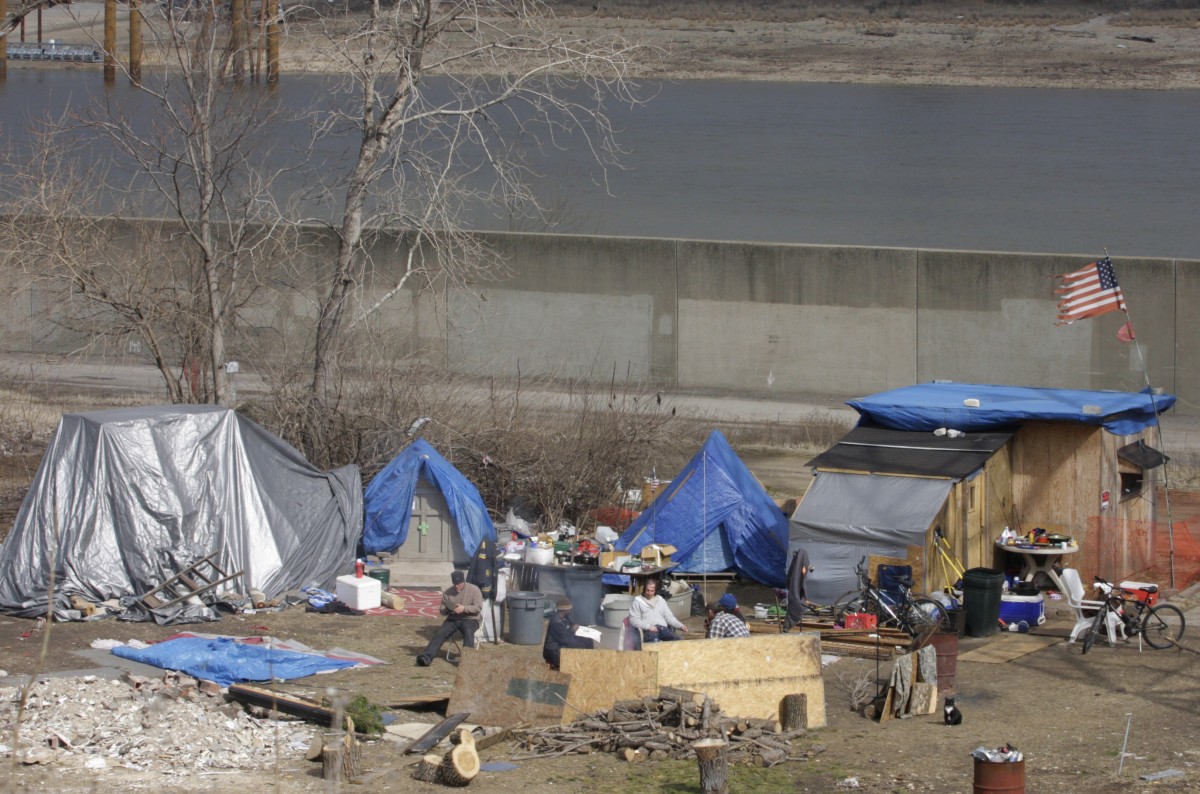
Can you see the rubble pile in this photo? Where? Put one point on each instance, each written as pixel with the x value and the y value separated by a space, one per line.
pixel 172 726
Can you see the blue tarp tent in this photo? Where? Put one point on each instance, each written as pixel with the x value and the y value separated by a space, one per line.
pixel 973 407
pixel 387 503
pixel 718 517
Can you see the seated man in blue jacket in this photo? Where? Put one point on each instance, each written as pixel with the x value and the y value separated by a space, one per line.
pixel 560 633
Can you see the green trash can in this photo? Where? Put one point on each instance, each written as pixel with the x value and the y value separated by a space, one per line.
pixel 525 617
pixel 982 588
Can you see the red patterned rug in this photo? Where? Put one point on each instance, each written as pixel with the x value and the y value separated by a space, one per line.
pixel 417 603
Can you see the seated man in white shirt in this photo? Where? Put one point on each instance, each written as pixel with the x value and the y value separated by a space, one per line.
pixel 650 613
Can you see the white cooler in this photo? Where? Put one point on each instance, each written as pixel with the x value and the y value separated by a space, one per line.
pixel 359 592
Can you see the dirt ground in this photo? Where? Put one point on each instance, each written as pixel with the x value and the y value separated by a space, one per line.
pixel 1067 712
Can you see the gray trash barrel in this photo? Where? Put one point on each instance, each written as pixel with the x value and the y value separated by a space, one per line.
pixel 525 617
pixel 586 591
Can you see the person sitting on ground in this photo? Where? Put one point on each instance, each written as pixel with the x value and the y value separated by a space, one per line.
pixel 650 613
pixel 560 633
pixel 729 603
pixel 461 604
pixel 723 622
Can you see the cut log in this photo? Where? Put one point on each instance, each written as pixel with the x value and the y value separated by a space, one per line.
pixel 714 765
pixel 426 769
pixel 633 754
pixel 340 758
pixel 315 747
pixel 768 757
pixel 795 712
pixel 459 766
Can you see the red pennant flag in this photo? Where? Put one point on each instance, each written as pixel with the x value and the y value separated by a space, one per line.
pixel 1125 333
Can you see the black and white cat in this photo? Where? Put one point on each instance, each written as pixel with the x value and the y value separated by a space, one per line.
pixel 950 713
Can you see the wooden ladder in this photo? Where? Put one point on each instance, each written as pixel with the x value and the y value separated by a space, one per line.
pixel 199 577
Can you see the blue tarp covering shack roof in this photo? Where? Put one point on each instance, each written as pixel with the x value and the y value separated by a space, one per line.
pixel 387 503
pixel 929 406
pixel 718 517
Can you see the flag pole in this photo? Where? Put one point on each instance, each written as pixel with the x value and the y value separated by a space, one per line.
pixel 1161 443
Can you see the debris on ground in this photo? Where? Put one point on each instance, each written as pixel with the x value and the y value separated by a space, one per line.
pixel 171 726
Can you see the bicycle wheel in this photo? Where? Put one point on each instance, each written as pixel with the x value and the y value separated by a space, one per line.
pixel 1089 639
pixel 923 616
pixel 1163 626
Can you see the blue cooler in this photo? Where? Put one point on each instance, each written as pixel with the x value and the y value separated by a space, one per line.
pixel 1015 608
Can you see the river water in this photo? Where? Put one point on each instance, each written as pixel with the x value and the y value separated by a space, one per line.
pixel 1040 170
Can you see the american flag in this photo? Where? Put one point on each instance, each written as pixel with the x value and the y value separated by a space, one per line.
pixel 1089 292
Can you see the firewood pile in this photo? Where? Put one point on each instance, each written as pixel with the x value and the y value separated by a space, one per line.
pixel 663 728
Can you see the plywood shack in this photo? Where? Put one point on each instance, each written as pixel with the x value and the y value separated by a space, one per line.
pixel 747 677
pixel 1071 478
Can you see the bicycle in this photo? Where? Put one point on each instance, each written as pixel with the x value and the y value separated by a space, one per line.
pixel 1161 625
pixel 917 615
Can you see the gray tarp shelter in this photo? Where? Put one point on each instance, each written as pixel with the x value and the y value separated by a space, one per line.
pixel 136 494
pixel 845 517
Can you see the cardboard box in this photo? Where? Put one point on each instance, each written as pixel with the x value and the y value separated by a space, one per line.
pixel 658 554
pixel 614 559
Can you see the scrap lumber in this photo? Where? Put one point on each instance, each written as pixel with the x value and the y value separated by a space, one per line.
pixel 655 728
pixel 434 735
pixel 287 704
pixel 509 692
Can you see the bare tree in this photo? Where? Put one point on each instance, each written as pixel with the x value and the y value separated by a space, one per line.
pixel 190 146
pixel 444 95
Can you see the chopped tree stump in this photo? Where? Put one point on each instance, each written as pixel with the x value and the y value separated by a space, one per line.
pixel 426 769
pixel 714 765
pixel 341 756
pixel 461 764
pixel 795 712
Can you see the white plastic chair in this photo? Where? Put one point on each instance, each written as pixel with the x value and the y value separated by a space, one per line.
pixel 1085 610
pixel 631 636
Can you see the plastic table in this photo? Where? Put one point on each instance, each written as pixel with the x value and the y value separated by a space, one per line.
pixel 1040 559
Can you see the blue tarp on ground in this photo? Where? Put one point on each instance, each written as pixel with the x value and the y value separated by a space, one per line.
pixel 387 503
pixel 718 517
pixel 226 662
pixel 929 406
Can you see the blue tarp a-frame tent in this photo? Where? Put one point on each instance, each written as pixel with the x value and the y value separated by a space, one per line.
pixel 388 501
pixel 718 517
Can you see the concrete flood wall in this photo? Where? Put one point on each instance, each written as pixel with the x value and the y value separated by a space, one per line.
pixel 744 318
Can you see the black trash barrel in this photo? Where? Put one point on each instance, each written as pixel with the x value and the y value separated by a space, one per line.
pixel 525 617
pixel 982 588
pixel 586 591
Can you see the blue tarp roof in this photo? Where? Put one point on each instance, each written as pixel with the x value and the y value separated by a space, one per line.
pixel 387 503
pixel 928 406
pixel 718 518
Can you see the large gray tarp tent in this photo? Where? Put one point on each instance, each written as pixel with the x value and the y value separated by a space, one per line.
pixel 135 494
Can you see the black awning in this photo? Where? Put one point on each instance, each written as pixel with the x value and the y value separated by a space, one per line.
pixel 1142 454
